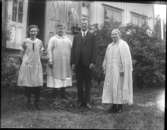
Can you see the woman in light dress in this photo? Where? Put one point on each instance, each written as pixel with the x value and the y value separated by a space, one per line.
pixel 59 51
pixel 30 73
pixel 117 65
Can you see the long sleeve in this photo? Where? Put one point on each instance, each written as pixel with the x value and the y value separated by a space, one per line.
pixel 70 43
pixel 126 56
pixel 50 49
pixel 105 60
pixel 104 64
pixel 23 48
pixel 41 48
pixel 121 67
pixel 130 58
pixel 73 51
pixel 128 81
pixel 93 60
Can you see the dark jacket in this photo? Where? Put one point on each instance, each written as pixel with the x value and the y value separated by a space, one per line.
pixel 83 49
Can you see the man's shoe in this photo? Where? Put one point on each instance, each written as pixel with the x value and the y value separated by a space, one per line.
pixel 80 105
pixel 88 106
pixel 36 106
pixel 111 109
pixel 120 108
pixel 64 97
pixel 119 111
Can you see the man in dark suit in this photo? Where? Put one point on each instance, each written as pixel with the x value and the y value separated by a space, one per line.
pixel 82 61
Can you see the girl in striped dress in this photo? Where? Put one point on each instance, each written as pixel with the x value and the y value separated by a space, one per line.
pixel 30 73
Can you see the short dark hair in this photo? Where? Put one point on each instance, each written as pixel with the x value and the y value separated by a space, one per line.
pixel 60 24
pixel 33 26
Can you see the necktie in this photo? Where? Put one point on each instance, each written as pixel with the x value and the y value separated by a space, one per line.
pixel 33 46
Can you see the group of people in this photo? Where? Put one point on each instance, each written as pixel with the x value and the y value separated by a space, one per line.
pixel 65 56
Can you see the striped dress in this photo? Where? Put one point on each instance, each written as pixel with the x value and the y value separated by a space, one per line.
pixel 30 73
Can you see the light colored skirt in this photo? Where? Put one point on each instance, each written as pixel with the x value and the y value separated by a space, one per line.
pixel 113 87
pixel 60 75
pixel 58 83
pixel 30 75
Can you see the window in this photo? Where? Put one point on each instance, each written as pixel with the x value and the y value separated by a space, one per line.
pixel 112 13
pixel 17 11
pixel 14 13
pixel 73 18
pixel 73 15
pixel 138 19
pixel 20 12
pixel 67 12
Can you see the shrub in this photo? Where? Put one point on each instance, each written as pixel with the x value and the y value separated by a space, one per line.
pixel 148 53
pixel 10 67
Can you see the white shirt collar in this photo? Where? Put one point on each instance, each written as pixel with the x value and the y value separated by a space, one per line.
pixel 60 36
pixel 83 32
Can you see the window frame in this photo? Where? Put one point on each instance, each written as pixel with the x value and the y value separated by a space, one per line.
pixel 114 10
pixel 67 17
pixel 15 16
pixel 140 17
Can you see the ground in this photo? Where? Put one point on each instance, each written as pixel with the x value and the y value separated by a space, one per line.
pixel 144 114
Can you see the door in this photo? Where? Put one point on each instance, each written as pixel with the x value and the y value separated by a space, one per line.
pixel 36 15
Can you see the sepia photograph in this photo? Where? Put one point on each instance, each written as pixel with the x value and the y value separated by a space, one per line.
pixel 70 64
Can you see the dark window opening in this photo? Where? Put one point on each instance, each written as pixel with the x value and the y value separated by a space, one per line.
pixel 14 12
pixel 36 15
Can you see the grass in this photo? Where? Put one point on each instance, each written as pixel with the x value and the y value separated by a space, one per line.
pixel 144 114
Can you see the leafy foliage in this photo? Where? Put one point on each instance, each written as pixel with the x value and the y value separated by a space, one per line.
pixel 9 70
pixel 148 53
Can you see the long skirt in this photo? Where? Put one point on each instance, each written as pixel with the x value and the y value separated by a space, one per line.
pixel 113 86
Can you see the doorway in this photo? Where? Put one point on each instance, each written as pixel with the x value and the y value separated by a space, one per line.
pixel 36 15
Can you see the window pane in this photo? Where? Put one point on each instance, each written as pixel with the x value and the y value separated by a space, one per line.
pixel 113 13
pixel 14 10
pixel 138 19
pixel 117 16
pixel 135 20
pixel 20 11
pixel 72 11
